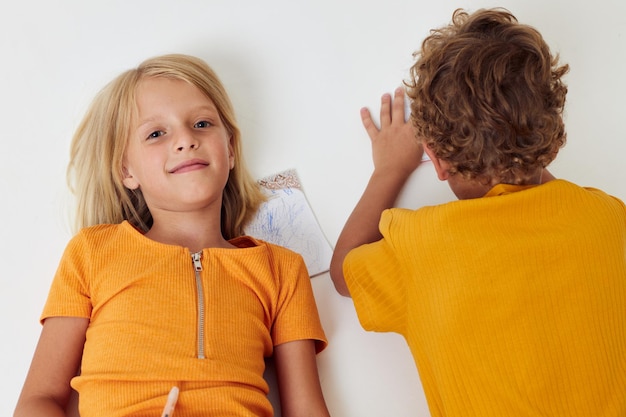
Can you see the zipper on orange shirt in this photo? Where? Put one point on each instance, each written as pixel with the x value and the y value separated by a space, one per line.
pixel 197 264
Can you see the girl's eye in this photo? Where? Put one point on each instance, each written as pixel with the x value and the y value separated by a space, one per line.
pixel 155 134
pixel 202 124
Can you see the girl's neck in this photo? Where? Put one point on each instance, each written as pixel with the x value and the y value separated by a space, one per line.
pixel 195 232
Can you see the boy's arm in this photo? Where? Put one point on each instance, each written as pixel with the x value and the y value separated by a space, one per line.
pixel 298 380
pixel 56 361
pixel 396 152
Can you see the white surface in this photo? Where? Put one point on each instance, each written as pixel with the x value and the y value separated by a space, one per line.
pixel 298 72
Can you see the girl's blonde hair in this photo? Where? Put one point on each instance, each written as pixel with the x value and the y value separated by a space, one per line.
pixel 94 172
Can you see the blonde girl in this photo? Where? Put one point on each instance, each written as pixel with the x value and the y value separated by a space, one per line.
pixel 159 288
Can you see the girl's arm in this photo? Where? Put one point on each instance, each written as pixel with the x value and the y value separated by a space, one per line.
pixel 396 153
pixel 298 380
pixel 56 361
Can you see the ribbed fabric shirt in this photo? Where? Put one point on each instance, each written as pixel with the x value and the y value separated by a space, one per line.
pixel 159 319
pixel 512 305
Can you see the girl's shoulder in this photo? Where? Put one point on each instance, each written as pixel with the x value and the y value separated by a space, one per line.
pixel 105 234
pixel 249 242
pixel 249 245
pixel 106 229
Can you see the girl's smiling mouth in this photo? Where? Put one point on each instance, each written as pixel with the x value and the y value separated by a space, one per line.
pixel 187 166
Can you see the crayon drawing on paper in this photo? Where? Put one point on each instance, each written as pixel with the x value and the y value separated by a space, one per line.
pixel 286 219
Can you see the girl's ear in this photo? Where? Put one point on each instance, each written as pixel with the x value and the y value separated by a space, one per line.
pixel 441 167
pixel 231 153
pixel 128 180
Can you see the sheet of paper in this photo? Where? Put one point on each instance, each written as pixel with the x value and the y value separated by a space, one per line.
pixel 286 219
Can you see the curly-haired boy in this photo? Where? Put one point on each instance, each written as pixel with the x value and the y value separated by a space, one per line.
pixel 512 299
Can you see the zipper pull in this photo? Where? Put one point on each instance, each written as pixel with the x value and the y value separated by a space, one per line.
pixel 196 257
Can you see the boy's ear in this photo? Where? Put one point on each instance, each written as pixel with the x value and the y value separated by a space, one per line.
pixel 128 180
pixel 441 167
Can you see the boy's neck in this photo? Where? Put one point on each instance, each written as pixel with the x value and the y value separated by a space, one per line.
pixel 468 189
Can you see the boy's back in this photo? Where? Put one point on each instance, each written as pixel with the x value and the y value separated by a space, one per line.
pixel 512 304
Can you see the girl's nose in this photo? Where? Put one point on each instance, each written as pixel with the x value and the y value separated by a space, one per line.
pixel 186 140
pixel 190 146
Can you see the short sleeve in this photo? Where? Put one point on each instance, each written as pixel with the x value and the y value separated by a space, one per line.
pixel 297 317
pixel 376 280
pixel 68 295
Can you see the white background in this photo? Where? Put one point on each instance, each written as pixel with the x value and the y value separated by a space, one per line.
pixel 298 72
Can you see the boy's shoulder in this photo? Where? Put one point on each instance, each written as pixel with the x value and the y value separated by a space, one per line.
pixel 557 192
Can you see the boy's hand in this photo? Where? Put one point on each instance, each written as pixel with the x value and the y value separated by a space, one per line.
pixel 397 152
pixel 395 148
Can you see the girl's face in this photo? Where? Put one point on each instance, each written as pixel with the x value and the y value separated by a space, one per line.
pixel 179 153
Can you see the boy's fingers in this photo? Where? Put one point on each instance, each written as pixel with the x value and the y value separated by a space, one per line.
pixel 398 106
pixel 385 110
pixel 368 123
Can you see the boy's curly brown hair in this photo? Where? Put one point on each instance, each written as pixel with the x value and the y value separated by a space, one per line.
pixel 488 98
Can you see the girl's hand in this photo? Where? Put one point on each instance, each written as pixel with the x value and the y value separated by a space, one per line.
pixel 395 148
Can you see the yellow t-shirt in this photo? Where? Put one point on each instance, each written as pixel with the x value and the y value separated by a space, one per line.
pixel 512 305
pixel 155 323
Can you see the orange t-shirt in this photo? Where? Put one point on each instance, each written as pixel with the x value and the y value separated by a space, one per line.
pixel 512 305
pixel 159 319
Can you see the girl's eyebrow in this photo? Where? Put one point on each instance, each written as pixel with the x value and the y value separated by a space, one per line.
pixel 205 107
pixel 202 108
pixel 143 122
